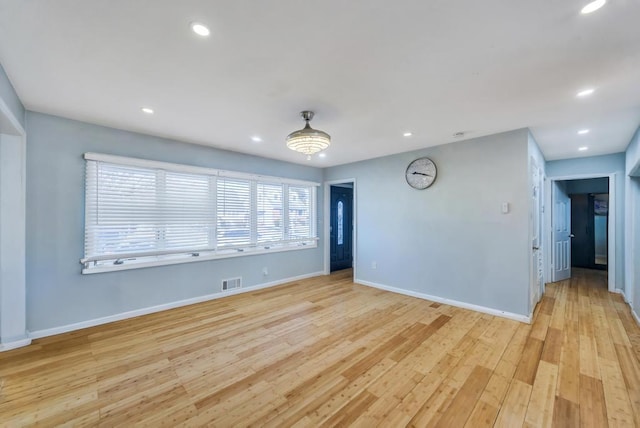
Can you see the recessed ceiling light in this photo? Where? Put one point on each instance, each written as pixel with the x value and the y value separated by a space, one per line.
pixel 407 134
pixel 585 92
pixel 593 6
pixel 322 155
pixel 147 110
pixel 584 148
pixel 583 131
pixel 256 139
pixel 200 29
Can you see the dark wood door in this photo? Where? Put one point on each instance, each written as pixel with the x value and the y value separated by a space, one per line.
pixel 341 235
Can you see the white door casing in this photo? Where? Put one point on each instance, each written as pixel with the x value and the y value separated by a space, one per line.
pixel 327 224
pixel 13 312
pixel 536 267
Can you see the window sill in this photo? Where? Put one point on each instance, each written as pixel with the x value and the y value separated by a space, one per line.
pixel 152 261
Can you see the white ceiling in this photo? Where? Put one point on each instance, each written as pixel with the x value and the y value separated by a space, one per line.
pixel 370 69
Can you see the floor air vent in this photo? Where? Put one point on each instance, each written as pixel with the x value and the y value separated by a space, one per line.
pixel 231 283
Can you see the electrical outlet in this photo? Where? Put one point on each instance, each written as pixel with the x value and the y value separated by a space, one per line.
pixel 374 265
pixel 265 271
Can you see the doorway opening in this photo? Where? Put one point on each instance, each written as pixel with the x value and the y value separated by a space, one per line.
pixel 589 223
pixel 341 227
pixel 583 227
pixel 340 232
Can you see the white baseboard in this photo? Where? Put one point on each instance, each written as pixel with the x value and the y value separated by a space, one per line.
pixel 621 292
pixel 163 307
pixel 464 305
pixel 635 316
pixel 633 312
pixel 15 344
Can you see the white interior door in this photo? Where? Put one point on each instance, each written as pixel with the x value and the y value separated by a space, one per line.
pixel 561 222
pixel 535 235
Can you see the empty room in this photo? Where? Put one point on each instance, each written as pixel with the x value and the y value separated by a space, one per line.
pixel 365 213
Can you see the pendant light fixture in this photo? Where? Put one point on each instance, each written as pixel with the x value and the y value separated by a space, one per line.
pixel 308 140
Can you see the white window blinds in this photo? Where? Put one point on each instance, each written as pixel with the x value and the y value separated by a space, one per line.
pixel 138 214
pixel 234 212
pixel 188 215
pixel 135 211
pixel 270 216
pixel 299 212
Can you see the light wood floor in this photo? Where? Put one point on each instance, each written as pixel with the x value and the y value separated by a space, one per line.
pixel 327 352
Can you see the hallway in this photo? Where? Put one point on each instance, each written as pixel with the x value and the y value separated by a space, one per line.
pixel 580 366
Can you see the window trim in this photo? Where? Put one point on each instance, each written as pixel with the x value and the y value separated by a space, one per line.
pixel 179 258
pixel 161 258
pixel 190 169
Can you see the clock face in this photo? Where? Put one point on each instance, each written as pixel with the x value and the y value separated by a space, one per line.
pixel 421 173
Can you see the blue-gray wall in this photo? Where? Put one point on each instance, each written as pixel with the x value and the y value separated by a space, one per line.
pixel 9 96
pixel 601 165
pixel 57 293
pixel 450 240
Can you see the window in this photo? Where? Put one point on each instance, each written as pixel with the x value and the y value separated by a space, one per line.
pixel 299 212
pixel 234 212
pixel 270 225
pixel 340 217
pixel 143 213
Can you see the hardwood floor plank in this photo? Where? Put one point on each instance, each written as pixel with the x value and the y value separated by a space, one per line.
pixel 565 414
pixel 593 411
pixel 569 368
pixel 528 366
pixel 514 407
pixel 460 408
pixel 630 367
pixel 302 405
pixel 486 410
pixel 541 404
pixel 355 388
pixel 616 395
pixel 349 413
pixel 602 333
pixel 390 388
pixel 540 326
pixel 589 364
pixel 552 346
pixel 431 409
pixel 559 308
pixel 483 415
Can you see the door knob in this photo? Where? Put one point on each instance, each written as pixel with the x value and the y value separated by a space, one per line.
pixel 536 248
pixel 572 235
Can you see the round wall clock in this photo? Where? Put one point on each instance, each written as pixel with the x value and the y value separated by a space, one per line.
pixel 421 173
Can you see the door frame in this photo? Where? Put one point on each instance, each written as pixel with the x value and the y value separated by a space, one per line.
pixel 611 232
pixel 632 249
pixel 327 224
pixel 536 286
pixel 13 302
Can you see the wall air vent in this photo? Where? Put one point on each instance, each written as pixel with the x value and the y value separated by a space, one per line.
pixel 231 283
